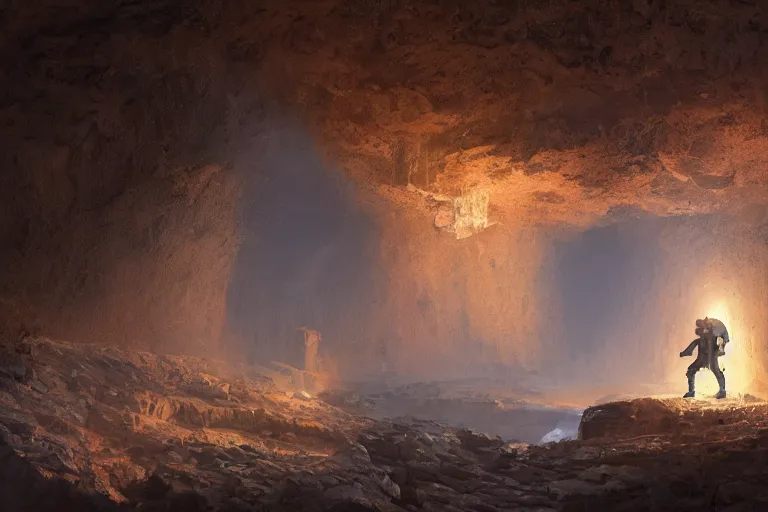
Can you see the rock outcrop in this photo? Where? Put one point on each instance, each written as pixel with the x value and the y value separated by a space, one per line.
pixel 670 417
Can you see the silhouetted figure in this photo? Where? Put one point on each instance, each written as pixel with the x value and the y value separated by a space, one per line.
pixel 708 357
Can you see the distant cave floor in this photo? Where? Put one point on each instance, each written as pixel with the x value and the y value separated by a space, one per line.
pixel 90 429
pixel 511 410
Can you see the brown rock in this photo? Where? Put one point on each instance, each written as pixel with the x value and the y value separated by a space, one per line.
pixel 413 496
pixel 346 494
pixel 624 420
pixel 475 441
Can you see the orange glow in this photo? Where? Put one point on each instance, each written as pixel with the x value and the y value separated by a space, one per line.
pixel 739 366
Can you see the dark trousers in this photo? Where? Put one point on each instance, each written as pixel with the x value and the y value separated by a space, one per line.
pixel 698 364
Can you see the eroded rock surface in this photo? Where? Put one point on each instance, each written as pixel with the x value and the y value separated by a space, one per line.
pixel 669 417
pixel 87 428
pixel 117 114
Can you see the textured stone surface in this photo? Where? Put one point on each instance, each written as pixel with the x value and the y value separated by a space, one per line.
pixel 105 429
pixel 669 416
pixel 124 121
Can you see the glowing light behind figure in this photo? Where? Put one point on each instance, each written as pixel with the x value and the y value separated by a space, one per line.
pixel 738 363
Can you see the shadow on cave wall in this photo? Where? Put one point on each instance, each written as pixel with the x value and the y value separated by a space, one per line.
pixel 308 255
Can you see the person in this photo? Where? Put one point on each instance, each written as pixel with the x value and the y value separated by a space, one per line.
pixel 708 357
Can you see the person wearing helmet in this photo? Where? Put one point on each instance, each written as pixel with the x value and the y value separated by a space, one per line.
pixel 707 357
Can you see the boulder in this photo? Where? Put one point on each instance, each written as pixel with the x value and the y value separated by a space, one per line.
pixel 474 441
pixel 627 419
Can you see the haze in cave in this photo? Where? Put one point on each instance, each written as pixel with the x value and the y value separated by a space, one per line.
pixel 445 253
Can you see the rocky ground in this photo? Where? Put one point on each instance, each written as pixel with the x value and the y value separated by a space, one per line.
pixel 86 428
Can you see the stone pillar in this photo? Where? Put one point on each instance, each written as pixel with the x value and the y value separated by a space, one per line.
pixel 383 355
pixel 311 347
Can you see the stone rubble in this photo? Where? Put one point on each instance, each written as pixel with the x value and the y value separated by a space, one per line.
pixel 88 428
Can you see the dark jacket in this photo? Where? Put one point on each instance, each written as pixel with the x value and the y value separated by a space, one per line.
pixel 705 344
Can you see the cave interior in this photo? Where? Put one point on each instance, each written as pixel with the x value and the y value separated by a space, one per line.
pixel 445 252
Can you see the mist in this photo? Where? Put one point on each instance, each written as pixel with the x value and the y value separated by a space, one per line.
pixel 576 314
pixel 307 257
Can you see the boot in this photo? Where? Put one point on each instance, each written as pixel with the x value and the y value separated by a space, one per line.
pixel 691 392
pixel 721 381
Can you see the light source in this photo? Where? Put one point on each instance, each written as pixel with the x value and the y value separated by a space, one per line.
pixel 739 367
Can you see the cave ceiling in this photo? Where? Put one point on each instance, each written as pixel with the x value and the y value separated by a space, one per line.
pixel 561 111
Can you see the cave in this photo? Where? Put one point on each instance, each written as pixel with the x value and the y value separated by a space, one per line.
pixel 382 255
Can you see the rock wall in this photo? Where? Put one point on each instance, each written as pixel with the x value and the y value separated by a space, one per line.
pixel 462 307
pixel 117 196
pixel 129 125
